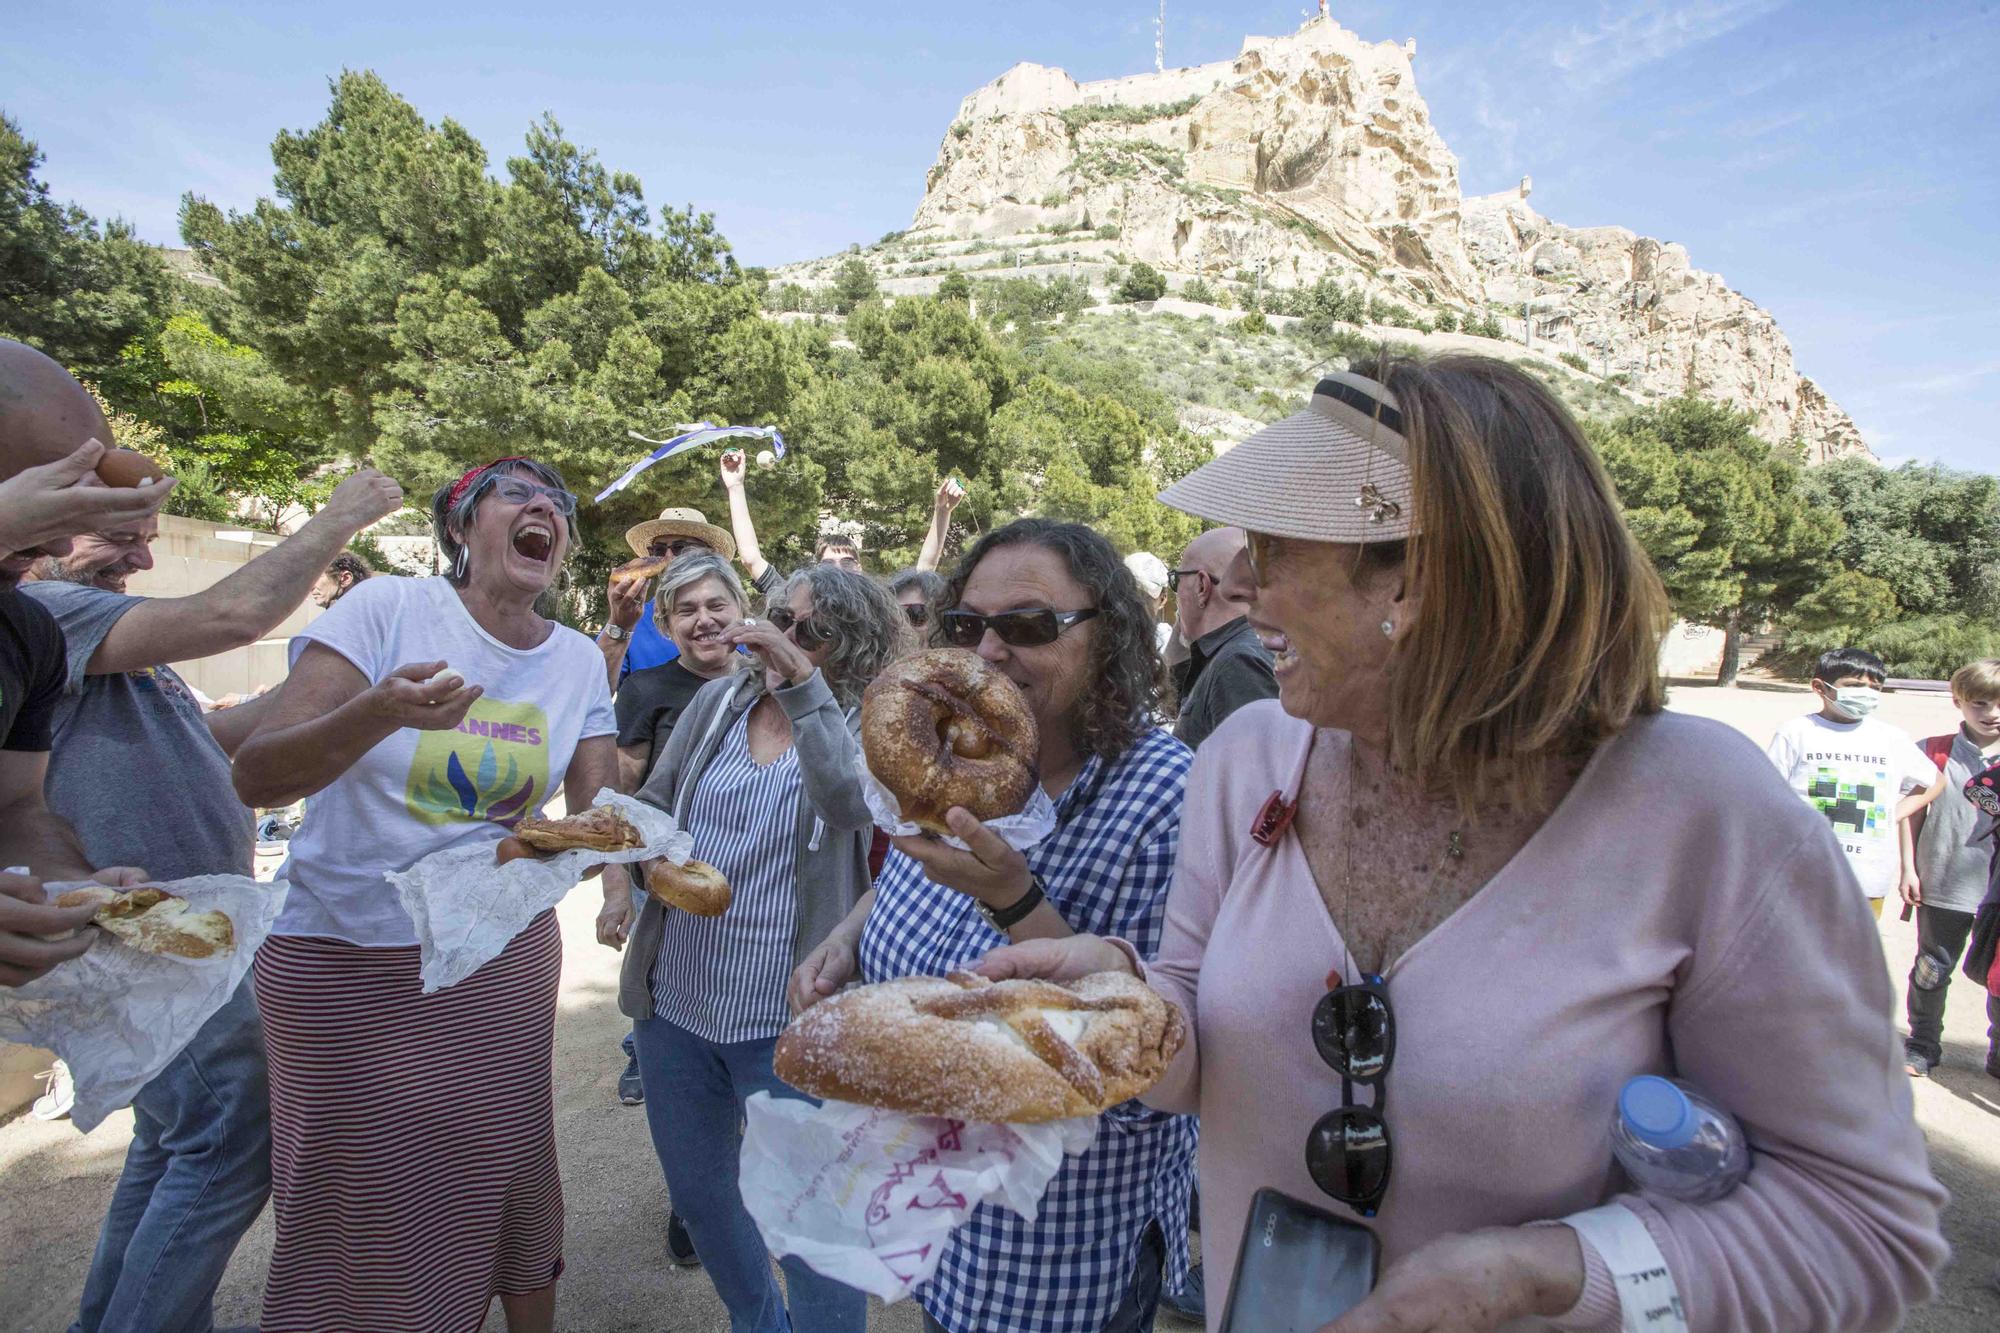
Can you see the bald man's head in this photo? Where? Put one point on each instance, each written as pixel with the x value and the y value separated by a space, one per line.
pixel 44 413
pixel 1199 605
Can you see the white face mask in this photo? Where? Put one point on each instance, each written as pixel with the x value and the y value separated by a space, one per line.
pixel 1857 701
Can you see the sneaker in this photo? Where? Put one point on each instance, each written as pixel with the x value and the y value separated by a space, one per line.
pixel 680 1246
pixel 58 1093
pixel 1916 1064
pixel 1191 1301
pixel 630 1090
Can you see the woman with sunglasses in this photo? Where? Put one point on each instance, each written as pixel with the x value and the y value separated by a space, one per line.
pixel 917 590
pixel 1050 605
pixel 421 714
pixel 1465 878
pixel 764 769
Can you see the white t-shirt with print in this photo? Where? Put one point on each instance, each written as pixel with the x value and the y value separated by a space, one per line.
pixel 1853 773
pixel 418 792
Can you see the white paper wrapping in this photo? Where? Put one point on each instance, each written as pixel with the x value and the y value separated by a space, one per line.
pixel 869 1197
pixel 467 909
pixel 1022 831
pixel 118 1016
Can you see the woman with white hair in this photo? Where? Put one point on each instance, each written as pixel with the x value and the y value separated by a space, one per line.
pixel 764 769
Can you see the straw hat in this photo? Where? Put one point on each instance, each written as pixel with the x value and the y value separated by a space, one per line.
pixel 680 523
pixel 1337 472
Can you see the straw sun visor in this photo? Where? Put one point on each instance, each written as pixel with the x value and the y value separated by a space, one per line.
pixel 1337 472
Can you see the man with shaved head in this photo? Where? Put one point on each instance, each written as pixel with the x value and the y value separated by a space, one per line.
pixel 1226 666
pixel 52 435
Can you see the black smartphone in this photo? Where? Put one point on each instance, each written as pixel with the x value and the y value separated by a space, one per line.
pixel 1300 1267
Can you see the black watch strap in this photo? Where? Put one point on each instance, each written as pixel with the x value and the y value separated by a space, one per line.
pixel 1006 918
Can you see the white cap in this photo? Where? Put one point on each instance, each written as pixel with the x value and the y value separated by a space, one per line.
pixel 1149 570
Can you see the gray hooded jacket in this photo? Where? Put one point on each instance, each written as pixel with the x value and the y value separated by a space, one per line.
pixel 830 840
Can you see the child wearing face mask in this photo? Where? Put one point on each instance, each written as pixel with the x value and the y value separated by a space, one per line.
pixel 1864 775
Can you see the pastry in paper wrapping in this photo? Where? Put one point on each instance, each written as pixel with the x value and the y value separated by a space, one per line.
pixel 946 728
pixel 961 1046
pixel 152 920
pixel 597 829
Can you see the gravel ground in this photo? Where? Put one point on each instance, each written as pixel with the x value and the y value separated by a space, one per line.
pixel 58 1182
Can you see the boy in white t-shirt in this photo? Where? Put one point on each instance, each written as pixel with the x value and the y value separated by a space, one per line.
pixel 1864 775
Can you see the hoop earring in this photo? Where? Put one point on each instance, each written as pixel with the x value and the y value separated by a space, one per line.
pixel 458 566
pixel 1388 629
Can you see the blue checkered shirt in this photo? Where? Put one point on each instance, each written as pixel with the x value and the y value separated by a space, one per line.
pixel 1106 869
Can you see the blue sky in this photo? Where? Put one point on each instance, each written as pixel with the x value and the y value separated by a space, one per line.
pixel 1837 162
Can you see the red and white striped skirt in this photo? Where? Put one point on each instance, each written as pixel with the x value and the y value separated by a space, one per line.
pixel 413 1144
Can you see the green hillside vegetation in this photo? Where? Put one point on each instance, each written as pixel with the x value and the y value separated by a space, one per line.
pixel 402 300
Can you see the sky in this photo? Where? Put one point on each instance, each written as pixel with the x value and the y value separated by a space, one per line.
pixel 1838 163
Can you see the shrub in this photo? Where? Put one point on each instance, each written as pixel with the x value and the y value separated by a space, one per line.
pixel 1573 361
pixel 1253 323
pixel 1197 290
pixel 1485 327
pixel 1446 321
pixel 961 129
pixel 955 286
pixel 1108 232
pixel 853 283
pixel 1143 283
pixel 1076 117
pixel 890 238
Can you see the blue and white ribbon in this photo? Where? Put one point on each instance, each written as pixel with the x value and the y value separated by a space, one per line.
pixel 690 437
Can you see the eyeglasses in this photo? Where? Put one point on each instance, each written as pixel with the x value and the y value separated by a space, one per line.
pixel 918 612
pixel 1020 629
pixel 678 547
pixel 1348 1150
pixel 1174 577
pixel 519 491
pixel 806 631
pixel 1258 549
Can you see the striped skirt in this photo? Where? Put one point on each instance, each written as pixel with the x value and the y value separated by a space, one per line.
pixel 413 1147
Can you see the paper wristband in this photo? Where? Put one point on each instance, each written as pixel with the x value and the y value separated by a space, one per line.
pixel 1648 1300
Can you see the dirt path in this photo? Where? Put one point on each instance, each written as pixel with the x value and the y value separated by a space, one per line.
pixel 59 1182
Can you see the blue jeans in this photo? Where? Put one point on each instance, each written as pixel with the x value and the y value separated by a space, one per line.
pixel 195 1178
pixel 695 1090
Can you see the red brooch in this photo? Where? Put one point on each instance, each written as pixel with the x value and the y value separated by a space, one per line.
pixel 1273 819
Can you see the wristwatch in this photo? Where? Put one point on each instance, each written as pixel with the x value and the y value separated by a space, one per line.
pixel 1006 918
pixel 616 633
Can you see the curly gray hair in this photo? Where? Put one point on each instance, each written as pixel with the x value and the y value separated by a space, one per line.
pixel 869 629
pixel 689 570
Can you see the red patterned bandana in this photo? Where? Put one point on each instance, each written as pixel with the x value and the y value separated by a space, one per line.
pixel 464 483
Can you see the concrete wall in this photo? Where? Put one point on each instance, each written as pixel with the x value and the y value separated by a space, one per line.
pixel 192 555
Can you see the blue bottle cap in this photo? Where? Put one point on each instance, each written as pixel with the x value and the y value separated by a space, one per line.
pixel 1656 1112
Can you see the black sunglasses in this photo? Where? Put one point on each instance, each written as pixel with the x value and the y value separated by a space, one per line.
pixel 806 631
pixel 918 612
pixel 1020 629
pixel 678 547
pixel 1174 577
pixel 1348 1150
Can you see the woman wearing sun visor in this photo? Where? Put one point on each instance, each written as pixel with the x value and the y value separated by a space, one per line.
pixel 1464 877
pixel 421 714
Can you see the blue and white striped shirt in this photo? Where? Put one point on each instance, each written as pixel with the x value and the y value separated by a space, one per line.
pixel 723 977
pixel 1106 869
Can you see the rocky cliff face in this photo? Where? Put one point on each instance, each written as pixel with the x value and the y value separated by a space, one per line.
pixel 1312 156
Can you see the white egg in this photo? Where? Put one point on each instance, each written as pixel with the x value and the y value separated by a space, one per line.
pixel 767 459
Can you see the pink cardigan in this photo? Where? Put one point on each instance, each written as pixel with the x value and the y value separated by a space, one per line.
pixel 1681 912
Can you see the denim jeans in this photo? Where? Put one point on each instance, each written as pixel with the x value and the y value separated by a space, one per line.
pixel 1941 936
pixel 195 1178
pixel 1142 1299
pixel 695 1091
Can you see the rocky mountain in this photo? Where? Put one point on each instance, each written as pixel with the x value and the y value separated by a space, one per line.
pixel 1310 156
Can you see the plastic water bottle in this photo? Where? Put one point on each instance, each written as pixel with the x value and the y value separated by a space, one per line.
pixel 1673 1141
